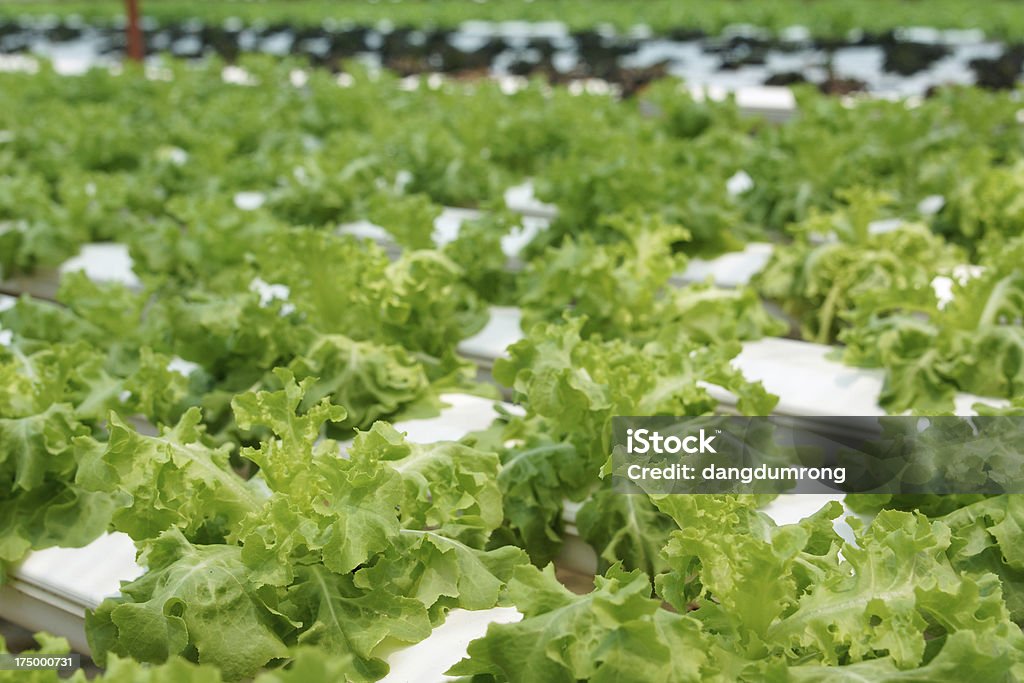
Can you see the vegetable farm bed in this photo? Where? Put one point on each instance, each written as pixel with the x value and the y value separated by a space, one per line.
pixel 336 399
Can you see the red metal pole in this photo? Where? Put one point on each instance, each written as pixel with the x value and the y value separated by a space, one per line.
pixel 135 49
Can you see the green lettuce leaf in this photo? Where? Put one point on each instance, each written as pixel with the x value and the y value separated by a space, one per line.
pixel 193 598
pixel 567 637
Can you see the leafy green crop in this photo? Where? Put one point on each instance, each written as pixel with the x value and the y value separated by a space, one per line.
pixel 198 411
pixel 876 292
pixel 754 601
pixel 342 553
pixel 572 388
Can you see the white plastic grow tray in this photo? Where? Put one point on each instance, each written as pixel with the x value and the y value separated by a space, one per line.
pixel 521 199
pixel 776 103
pixel 5 303
pixel 730 270
pixel 51 589
pixel 104 262
pixel 446 230
pixel 101 262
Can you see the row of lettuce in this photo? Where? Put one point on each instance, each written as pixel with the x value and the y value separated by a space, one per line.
pixel 263 547
pixel 822 19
